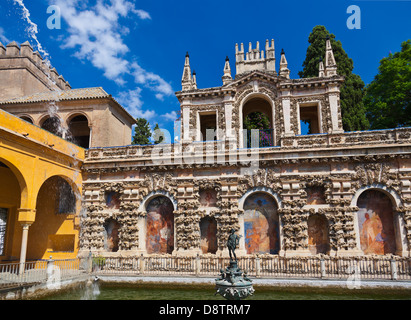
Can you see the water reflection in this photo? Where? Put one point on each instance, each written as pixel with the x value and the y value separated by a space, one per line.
pixel 113 291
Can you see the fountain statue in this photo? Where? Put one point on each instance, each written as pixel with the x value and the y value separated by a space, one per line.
pixel 233 283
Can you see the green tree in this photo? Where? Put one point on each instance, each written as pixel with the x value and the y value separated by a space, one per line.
pixel 256 120
pixel 142 132
pixel 352 91
pixel 388 97
pixel 158 135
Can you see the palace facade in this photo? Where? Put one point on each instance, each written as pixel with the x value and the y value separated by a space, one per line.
pixel 287 193
pixel 284 191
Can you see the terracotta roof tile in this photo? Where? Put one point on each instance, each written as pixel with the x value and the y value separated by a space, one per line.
pixel 73 94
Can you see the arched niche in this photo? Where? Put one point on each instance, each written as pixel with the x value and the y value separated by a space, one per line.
pixel 111 235
pixel 318 234
pixel 261 224
pixel 376 226
pixel 208 235
pixel 160 225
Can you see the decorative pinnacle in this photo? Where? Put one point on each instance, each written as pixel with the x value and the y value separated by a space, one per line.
pixel 187 55
pixel 227 59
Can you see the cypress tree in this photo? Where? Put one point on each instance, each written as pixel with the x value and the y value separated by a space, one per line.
pixel 142 132
pixel 352 91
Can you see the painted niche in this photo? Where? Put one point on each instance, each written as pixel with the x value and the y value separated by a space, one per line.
pixel 111 235
pixel 375 219
pixel 160 226
pixel 112 200
pixel 318 240
pixel 208 230
pixel 315 195
pixel 261 225
pixel 208 198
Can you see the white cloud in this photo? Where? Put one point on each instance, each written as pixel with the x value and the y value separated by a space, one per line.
pixel 132 101
pixel 170 116
pixel 152 81
pixel 97 35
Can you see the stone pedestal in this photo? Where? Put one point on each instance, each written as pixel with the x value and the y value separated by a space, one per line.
pixel 233 284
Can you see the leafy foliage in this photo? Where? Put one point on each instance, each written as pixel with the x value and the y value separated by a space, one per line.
pixel 142 132
pixel 388 96
pixel 256 120
pixel 352 91
pixel 158 135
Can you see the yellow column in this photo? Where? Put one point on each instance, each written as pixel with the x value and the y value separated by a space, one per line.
pixel 26 219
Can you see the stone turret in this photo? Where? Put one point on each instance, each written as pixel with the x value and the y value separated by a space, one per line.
pixel 187 82
pixel 330 64
pixel 321 72
pixel 255 59
pixel 284 71
pixel 227 78
pixel 24 72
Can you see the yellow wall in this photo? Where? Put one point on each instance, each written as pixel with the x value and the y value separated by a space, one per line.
pixel 33 156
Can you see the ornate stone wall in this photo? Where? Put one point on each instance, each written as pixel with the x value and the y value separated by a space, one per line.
pixel 343 177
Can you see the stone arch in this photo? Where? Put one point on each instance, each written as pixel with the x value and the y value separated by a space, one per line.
pixel 392 194
pixel 21 180
pixel 260 225
pixel 10 203
pixel 261 189
pixel 257 96
pixel 52 124
pixel 27 118
pixel 78 124
pixel 379 228
pixel 57 200
pixel 154 194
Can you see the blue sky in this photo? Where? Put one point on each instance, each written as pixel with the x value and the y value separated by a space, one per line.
pixel 135 49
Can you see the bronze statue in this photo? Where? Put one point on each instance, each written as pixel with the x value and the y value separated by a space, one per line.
pixel 232 243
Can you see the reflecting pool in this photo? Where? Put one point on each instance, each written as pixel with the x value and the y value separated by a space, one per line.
pixel 115 291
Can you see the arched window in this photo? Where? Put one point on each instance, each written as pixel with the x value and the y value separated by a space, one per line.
pixel 375 220
pixel 79 131
pixel 160 226
pixel 261 224
pixel 208 230
pixel 28 119
pixel 53 125
pixel 258 115
pixel 318 239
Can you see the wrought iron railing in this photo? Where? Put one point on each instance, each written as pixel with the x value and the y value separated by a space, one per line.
pixel 265 138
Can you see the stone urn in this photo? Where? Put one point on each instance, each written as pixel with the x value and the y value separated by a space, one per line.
pixel 233 283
